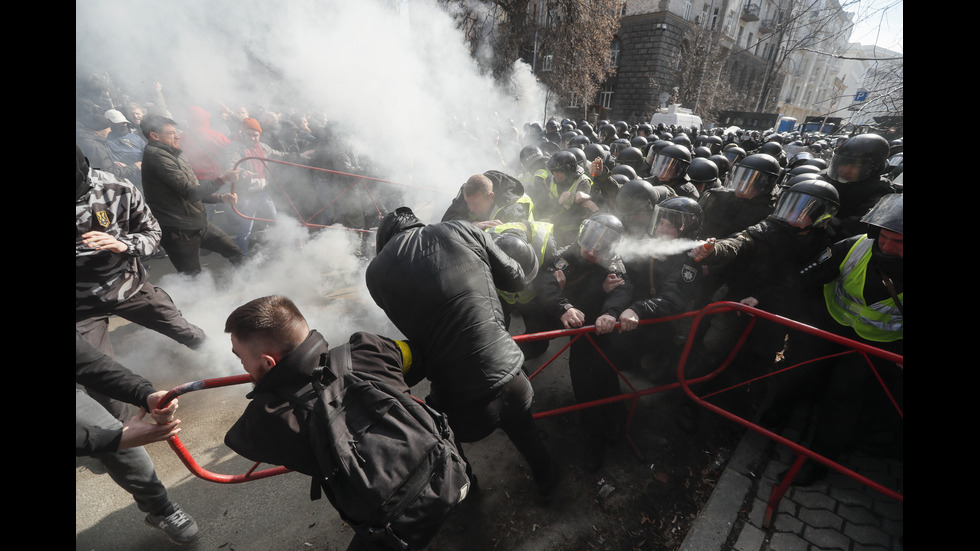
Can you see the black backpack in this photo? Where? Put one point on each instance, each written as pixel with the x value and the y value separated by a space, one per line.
pixel 390 463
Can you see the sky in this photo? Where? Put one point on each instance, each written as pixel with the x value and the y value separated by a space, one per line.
pixel 878 22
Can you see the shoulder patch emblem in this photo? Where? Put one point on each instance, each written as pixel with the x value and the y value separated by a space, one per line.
pixel 102 217
pixel 560 263
pixel 689 273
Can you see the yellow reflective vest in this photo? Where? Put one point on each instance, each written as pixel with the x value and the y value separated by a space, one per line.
pixel 539 233
pixel 844 297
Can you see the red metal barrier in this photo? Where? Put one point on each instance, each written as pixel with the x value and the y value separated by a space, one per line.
pixel 685 384
pixel 357 181
pixel 633 395
pixel 802 453
pixel 185 455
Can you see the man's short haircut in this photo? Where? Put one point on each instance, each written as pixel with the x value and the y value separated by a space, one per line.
pixel 274 318
pixel 155 123
pixel 477 183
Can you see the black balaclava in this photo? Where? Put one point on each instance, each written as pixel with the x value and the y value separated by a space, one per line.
pixel 81 173
pixel 394 223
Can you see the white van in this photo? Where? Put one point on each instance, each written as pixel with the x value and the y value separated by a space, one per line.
pixel 676 115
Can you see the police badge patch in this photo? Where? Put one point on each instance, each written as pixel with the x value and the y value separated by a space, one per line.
pixel 689 273
pixel 560 263
pixel 102 217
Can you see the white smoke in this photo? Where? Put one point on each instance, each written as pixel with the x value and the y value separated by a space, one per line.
pixel 395 77
pixel 630 248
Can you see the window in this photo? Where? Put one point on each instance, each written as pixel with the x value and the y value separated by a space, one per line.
pixel 614 54
pixel 546 62
pixel 573 101
pixel 605 96
pixel 741 30
pixel 730 23
pixel 687 10
pixel 704 16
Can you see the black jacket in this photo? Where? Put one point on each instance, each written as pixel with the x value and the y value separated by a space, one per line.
pixel 664 286
pixel 507 190
pixel 583 286
pixel 765 262
pixel 103 374
pixel 274 428
pixel 438 285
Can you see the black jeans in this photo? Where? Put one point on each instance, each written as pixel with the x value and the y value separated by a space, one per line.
pixel 184 247
pixel 510 410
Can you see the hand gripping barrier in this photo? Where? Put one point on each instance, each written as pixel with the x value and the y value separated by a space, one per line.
pixel 633 395
pixel 357 183
pixel 185 456
pixel 685 384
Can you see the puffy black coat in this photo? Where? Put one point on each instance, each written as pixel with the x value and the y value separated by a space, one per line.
pixel 438 285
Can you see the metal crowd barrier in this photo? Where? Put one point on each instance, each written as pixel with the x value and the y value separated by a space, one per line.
pixel 634 394
pixel 357 183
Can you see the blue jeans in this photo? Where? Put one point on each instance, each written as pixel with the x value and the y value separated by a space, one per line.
pixel 259 205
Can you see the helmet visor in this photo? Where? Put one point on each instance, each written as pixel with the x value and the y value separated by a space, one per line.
pixel 733 156
pixel 666 168
pixel 748 182
pixel 597 239
pixel 803 210
pixel 888 213
pixel 670 224
pixel 846 169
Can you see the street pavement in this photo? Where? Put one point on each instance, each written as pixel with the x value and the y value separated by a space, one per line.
pixel 835 513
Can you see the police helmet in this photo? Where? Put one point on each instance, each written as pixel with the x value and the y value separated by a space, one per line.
pixel 599 233
pixel 702 171
pixel 618 145
pixel 670 163
pixel 625 170
pixel 514 244
pixel 859 158
pixel 676 217
pixel 888 213
pixel 735 154
pixel 631 156
pixel 722 163
pixel 810 203
pixel 564 161
pixel 754 176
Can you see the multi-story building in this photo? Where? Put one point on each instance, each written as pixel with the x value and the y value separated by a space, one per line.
pixel 872 87
pixel 714 55
pixel 814 81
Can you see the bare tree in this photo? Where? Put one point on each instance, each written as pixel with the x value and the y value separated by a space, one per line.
pixel 703 74
pixel 576 36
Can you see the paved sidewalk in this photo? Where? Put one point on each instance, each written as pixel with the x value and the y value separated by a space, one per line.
pixel 835 513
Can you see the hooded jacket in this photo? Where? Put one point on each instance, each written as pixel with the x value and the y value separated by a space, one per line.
pixel 438 284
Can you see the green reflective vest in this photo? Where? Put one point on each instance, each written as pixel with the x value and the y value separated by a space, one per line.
pixel 539 233
pixel 879 322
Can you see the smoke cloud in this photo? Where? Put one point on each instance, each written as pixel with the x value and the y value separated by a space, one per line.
pixel 632 249
pixel 394 77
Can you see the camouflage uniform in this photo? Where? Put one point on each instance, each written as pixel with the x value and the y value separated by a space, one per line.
pixel 109 283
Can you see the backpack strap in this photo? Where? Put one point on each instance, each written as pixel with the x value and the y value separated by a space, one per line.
pixel 333 366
